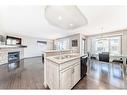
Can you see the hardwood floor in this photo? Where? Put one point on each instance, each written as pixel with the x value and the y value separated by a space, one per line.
pixel 102 75
pixel 30 75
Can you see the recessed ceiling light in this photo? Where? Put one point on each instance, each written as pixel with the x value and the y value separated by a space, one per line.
pixel 64 17
pixel 59 18
pixel 71 24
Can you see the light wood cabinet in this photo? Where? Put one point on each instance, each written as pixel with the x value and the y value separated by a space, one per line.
pixel 66 78
pixel 62 76
pixel 76 74
pixel 69 77
pixel 52 75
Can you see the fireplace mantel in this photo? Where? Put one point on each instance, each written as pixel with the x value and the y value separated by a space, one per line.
pixel 11 46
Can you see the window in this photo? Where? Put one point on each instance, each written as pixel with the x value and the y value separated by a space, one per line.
pixel 102 46
pixel 109 44
pixel 115 45
pixel 74 43
pixel 62 45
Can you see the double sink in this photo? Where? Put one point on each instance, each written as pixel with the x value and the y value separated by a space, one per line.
pixel 64 57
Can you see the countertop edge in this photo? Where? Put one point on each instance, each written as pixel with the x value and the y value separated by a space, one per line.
pixel 57 62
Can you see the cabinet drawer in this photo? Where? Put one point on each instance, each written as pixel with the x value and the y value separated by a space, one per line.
pixel 69 63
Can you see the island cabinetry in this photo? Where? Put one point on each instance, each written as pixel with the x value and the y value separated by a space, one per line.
pixel 69 77
pixel 62 75
pixel 52 75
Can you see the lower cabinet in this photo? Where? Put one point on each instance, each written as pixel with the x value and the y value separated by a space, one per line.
pixel 65 78
pixel 69 77
pixel 52 75
pixel 76 74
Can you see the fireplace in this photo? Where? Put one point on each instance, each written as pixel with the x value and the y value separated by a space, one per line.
pixel 13 60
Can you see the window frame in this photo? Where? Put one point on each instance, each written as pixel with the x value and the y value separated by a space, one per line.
pixel 109 42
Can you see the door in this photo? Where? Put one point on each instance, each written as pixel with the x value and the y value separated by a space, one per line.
pixel 66 79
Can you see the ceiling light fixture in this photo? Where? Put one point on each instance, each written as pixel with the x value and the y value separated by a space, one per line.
pixel 59 18
pixel 71 24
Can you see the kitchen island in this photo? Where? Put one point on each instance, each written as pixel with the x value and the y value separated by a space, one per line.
pixel 62 71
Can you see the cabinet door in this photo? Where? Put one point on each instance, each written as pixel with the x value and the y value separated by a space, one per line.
pixel 66 78
pixel 52 75
pixel 76 74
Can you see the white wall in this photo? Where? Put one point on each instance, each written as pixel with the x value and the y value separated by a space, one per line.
pixel 33 49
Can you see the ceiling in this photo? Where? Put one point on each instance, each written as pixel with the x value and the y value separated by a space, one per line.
pixel 65 17
pixel 30 20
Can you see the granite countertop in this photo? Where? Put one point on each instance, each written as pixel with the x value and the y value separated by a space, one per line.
pixel 58 50
pixel 59 59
